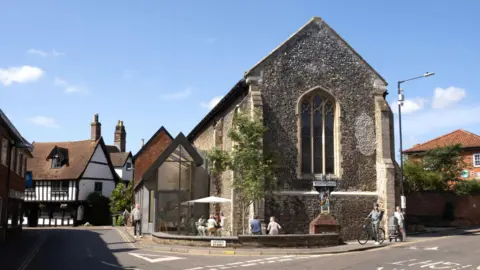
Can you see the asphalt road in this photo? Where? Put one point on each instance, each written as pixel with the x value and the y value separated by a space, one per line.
pixel 94 249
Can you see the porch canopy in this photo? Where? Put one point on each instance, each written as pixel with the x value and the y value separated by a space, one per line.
pixel 172 179
pixel 211 199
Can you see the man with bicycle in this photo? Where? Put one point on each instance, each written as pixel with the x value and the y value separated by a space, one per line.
pixel 375 215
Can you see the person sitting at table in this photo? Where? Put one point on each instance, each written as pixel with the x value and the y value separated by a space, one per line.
pixel 201 225
pixel 212 225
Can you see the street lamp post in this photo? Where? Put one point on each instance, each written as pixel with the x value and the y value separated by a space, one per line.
pixel 400 104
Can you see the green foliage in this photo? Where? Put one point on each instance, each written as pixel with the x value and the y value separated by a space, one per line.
pixel 121 198
pixel 97 210
pixel 467 187
pixel 119 221
pixel 254 169
pixel 447 161
pixel 439 170
pixel 418 179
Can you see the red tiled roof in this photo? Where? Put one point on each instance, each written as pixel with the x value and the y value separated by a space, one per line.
pixel 79 154
pixel 463 137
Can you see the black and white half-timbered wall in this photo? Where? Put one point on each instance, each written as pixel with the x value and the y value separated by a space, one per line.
pixel 64 174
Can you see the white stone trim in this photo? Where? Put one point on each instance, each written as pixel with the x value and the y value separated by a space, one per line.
pixel 354 193
pixel 297 193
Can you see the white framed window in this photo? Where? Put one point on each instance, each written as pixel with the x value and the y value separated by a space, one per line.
pixel 128 166
pixel 476 160
pixel 56 163
pixel 4 152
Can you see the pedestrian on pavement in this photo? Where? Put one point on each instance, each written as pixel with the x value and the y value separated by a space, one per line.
pixel 126 215
pixel 273 227
pixel 256 226
pixel 137 220
pixel 375 216
pixel 401 221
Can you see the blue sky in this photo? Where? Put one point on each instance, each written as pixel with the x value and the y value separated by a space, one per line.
pixel 154 63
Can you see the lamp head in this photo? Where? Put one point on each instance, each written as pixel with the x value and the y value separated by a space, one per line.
pixel 428 74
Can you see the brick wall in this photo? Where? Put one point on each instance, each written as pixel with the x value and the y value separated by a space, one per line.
pixel 152 151
pixel 429 208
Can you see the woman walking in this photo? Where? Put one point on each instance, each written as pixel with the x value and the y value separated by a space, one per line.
pixel 401 222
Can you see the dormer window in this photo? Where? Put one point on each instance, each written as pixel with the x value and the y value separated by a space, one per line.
pixel 56 163
pixel 59 157
pixel 128 166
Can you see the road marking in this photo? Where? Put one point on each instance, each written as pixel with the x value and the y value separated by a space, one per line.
pixel 247 265
pixel 89 253
pixel 125 238
pixel 432 248
pixel 31 256
pixel 161 259
pixel 119 266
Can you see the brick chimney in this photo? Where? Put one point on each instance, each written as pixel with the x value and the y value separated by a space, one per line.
pixel 120 139
pixel 143 142
pixel 96 129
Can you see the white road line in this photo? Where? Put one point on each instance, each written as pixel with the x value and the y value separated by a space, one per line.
pixel 117 266
pixel 247 265
pixel 258 260
pixel 196 268
pixel 235 263
pixel 31 256
pixel 220 265
pixel 284 260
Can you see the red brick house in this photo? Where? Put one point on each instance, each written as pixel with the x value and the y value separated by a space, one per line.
pixel 470 143
pixel 14 153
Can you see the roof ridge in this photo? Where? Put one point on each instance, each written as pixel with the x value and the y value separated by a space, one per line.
pixel 64 142
pixel 434 139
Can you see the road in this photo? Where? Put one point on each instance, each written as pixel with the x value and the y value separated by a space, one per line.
pixel 99 248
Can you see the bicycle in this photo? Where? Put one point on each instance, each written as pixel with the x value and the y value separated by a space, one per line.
pixel 367 234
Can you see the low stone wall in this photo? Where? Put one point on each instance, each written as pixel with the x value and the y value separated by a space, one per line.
pixel 197 241
pixel 252 241
pixel 291 240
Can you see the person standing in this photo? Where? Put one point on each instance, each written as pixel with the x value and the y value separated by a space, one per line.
pixel 137 220
pixel 126 215
pixel 375 216
pixel 256 226
pixel 273 227
pixel 401 222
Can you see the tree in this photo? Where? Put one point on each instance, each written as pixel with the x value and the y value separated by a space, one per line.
pixel 254 169
pixel 98 212
pixel 121 198
pixel 437 169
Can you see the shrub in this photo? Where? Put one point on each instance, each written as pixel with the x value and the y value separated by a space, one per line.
pixel 97 210
pixel 467 187
pixel 119 221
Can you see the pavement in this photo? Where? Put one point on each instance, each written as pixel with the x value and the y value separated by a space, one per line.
pixel 110 248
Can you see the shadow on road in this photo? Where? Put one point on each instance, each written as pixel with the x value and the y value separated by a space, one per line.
pixel 65 248
pixel 446 232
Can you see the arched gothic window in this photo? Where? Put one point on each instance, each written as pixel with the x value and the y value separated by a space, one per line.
pixel 317 133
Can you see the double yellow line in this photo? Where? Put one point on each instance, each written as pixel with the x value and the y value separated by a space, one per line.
pixel 125 237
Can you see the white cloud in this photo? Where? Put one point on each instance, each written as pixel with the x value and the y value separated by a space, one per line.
pixel 41 53
pixel 212 103
pixel 67 87
pixel 443 98
pixel 23 74
pixel 44 122
pixel 211 40
pixel 410 105
pixel 445 120
pixel 177 95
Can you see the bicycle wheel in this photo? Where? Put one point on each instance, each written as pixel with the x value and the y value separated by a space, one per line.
pixel 381 235
pixel 363 237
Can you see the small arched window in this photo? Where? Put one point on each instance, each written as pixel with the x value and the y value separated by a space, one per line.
pixel 317 116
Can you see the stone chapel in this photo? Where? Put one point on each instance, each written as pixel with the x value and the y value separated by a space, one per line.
pixel 329 123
